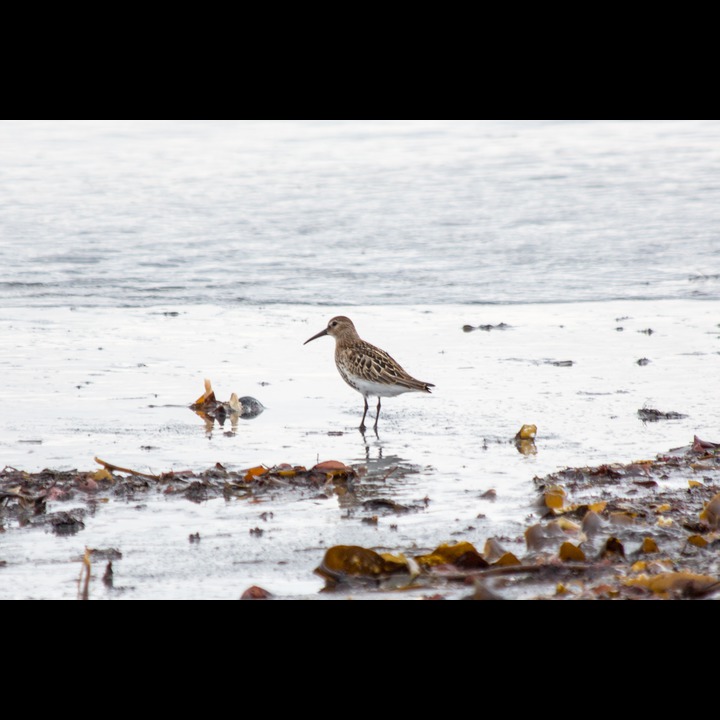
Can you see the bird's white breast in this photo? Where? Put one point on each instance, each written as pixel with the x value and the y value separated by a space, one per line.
pixel 369 388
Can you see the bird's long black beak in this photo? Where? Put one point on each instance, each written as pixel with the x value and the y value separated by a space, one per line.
pixel 315 337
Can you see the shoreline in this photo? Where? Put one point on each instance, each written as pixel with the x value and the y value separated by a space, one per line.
pixel 644 530
pixel 450 458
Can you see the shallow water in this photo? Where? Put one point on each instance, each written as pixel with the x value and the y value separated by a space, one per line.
pixel 127 404
pixel 139 258
pixel 140 213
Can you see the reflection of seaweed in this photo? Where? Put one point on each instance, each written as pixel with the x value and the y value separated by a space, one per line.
pixel 377 476
pixel 379 469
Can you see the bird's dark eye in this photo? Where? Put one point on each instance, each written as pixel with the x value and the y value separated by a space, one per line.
pixel 333 324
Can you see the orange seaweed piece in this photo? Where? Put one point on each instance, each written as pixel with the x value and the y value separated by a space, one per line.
pixel 253 472
pixel 332 469
pixel 649 546
pixel 331 465
pixel 446 554
pixel 555 497
pixel 569 552
pixel 207 397
pixel 679 581
pixel 356 561
pixel 254 592
pixel 711 513
pixel 526 432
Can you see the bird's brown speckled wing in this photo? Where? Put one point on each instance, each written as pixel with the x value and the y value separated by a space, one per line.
pixel 374 365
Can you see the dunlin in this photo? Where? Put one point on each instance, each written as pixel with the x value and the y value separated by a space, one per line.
pixel 366 368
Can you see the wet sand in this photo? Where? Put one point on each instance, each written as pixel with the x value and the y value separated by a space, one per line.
pixel 116 384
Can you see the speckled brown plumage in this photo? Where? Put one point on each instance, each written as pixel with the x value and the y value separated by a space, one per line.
pixel 366 368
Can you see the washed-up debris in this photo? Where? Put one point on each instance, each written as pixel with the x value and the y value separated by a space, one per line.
pixel 525 439
pixel 256 593
pixel 526 432
pixel 644 529
pixel 702 276
pixel 459 554
pixel 643 361
pixel 652 415
pixel 109 468
pixel 66 523
pixel 210 409
pixel 487 328
pixel 640 530
pixel 386 505
pixel 25 496
pixel 84 579
pixel 344 562
pixel 249 406
pixel 710 514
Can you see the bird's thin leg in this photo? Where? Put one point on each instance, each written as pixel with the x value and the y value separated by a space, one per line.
pixel 362 422
pixel 377 415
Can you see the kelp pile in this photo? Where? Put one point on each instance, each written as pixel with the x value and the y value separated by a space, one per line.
pixel 648 529
pixel 639 530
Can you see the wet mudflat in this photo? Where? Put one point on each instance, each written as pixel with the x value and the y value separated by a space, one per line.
pixel 116 486
pixel 643 530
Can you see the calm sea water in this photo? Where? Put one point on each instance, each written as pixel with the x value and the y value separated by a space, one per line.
pixel 139 213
